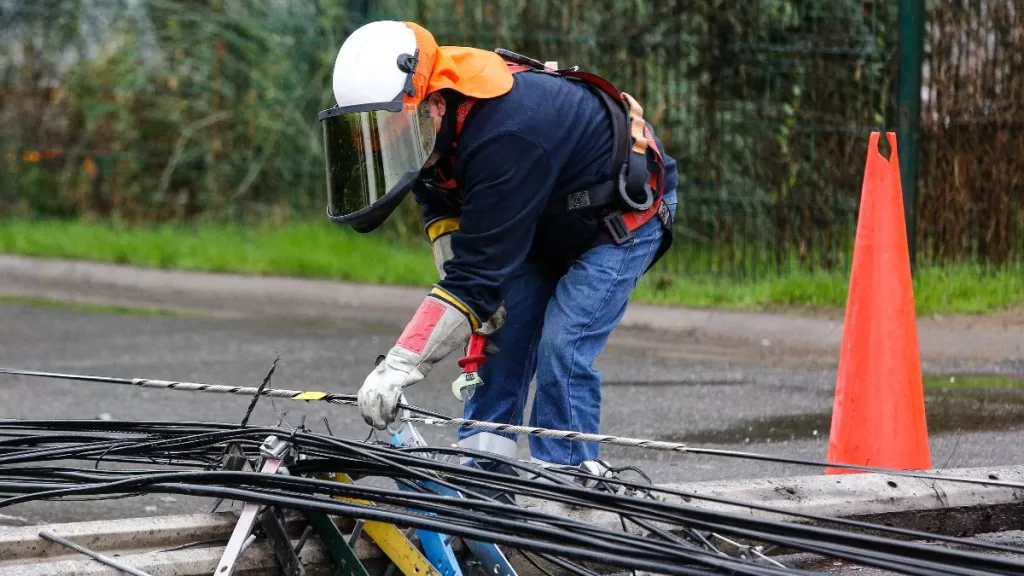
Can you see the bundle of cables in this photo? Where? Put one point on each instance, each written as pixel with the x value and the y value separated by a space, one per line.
pixel 659 530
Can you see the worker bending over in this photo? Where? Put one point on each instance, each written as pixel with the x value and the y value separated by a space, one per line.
pixel 545 196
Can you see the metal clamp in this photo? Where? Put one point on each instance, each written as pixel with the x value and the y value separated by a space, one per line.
pixel 274 450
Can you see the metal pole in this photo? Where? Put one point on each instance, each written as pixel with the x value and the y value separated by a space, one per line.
pixel 911 50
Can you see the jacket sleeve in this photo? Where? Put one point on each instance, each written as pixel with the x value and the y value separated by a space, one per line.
pixel 507 180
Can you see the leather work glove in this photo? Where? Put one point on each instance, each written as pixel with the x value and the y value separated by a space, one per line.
pixel 442 248
pixel 492 325
pixel 440 234
pixel 435 331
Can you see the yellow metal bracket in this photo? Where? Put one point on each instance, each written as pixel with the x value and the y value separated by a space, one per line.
pixel 390 539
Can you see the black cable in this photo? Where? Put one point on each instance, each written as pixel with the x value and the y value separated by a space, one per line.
pixel 259 392
pixel 545 571
pixel 80 488
pixel 351 399
pixel 622 559
pixel 873 526
pixel 753 506
pixel 397 497
pixel 419 503
pixel 393 462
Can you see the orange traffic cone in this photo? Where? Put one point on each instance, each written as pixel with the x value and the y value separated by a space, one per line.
pixel 878 417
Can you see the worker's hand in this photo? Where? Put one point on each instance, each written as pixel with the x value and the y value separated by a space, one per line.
pixel 379 395
pixel 437 329
pixel 495 322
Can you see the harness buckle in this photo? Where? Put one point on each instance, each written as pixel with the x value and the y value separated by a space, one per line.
pixel 617 228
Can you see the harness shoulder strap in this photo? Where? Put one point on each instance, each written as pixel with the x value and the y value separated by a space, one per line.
pixel 637 165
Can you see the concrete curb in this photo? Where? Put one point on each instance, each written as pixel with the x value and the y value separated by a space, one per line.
pixel 240 295
pixel 853 495
pixel 893 498
pixel 141 544
pixel 964 509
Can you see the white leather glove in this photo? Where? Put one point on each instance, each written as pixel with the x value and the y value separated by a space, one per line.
pixel 442 248
pixel 380 393
pixel 440 233
pixel 437 329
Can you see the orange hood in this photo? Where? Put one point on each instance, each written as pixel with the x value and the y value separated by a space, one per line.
pixel 469 71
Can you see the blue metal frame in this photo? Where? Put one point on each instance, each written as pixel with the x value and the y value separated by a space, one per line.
pixel 437 547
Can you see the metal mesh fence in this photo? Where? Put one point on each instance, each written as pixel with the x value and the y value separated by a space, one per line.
pixel 152 110
pixel 766 105
pixel 972 133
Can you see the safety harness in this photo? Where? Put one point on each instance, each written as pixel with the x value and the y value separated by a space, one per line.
pixel 627 201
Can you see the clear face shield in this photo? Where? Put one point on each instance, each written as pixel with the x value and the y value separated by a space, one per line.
pixel 373 155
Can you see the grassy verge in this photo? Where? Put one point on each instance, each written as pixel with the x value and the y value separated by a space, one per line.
pixel 962 289
pixel 305 249
pixel 318 250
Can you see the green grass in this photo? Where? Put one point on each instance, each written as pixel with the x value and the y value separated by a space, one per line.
pixel 971 382
pixel 316 249
pixel 963 289
pixel 88 306
pixel 303 249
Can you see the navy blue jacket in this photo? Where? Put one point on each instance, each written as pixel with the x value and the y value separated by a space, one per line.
pixel 546 138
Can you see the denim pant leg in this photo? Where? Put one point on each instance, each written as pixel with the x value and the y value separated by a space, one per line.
pixel 589 302
pixel 507 375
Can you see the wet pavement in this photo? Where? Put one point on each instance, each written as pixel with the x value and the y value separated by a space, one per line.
pixel 953 404
pixel 706 402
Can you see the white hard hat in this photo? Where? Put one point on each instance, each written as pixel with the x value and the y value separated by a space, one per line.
pixel 367 70
pixel 378 137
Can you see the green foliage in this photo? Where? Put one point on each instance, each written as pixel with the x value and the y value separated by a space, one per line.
pixel 181 107
pixel 208 106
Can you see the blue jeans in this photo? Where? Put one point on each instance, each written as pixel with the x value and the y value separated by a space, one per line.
pixel 555 329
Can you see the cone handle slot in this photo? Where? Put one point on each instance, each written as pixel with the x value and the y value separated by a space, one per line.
pixel 887 149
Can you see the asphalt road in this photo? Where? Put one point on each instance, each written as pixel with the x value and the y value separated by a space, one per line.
pixel 712 402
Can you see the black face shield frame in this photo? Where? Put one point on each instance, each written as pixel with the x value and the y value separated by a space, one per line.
pixel 373 154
